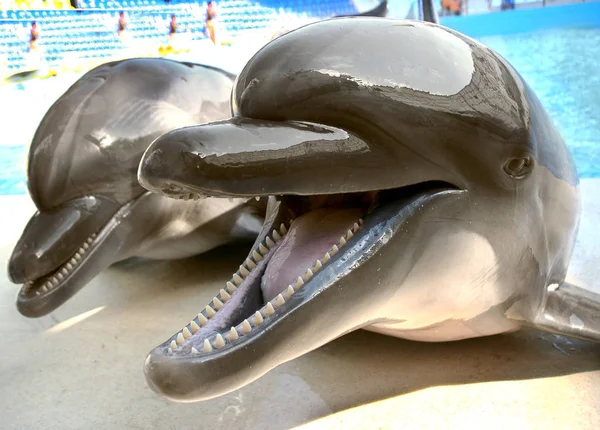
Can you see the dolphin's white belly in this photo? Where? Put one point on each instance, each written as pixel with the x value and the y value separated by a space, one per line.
pixel 455 290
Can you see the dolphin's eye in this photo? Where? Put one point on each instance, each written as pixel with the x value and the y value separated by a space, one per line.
pixel 519 167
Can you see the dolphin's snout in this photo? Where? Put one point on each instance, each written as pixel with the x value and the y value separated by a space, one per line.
pixel 16 269
pixel 155 170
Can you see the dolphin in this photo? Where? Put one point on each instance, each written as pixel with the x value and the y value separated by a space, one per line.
pixel 417 188
pixel 82 177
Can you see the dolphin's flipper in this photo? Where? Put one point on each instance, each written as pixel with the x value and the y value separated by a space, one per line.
pixel 571 311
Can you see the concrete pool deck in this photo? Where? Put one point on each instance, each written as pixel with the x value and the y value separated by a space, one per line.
pixel 81 366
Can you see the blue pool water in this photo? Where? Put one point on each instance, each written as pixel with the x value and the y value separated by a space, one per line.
pixel 562 65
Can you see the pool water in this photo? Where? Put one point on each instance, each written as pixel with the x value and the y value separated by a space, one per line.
pixel 561 65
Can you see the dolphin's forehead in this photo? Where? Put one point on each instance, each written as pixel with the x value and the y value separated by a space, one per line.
pixel 90 141
pixel 390 53
pixel 347 65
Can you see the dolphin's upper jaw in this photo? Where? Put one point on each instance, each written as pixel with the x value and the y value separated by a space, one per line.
pixel 281 274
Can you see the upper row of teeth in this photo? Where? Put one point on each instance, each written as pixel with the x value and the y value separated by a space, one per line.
pixel 67 268
pixel 220 340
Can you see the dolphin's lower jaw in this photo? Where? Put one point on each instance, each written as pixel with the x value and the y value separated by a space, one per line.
pixel 284 300
pixel 34 294
pixel 41 296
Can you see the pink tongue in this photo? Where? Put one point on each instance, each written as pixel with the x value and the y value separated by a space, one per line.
pixel 308 239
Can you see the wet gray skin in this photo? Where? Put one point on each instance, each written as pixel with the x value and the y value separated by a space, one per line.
pixel 417 187
pixel 82 176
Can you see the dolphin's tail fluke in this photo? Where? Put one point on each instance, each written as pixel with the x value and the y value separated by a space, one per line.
pixel 428 11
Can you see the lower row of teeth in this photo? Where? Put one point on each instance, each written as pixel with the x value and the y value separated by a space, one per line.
pixel 67 268
pixel 192 196
pixel 221 339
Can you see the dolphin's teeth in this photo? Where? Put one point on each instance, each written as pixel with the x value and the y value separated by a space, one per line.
pixel 237 280
pixel 299 282
pixel 279 301
pixel 289 291
pixel 60 276
pixel 269 242
pixel 69 266
pixel 318 266
pixel 230 287
pixel 195 351
pixel 257 257
pixel 73 261
pixel 64 271
pixel 217 303
pixel 169 350
pixel 186 333
pixel 257 198
pixel 263 249
pixel 207 346
pixel 355 227
pixel 85 246
pixel 210 312
pixel 269 309
pixel 233 334
pixel 283 229
pixel 54 282
pixel 258 318
pixel 342 241
pixel 360 221
pixel 173 345
pixel 45 288
pixel 77 256
pixel 202 319
pixel 334 250
pixel 244 272
pixel 224 295
pixel 349 235
pixel 246 327
pixel 250 264
pixel 180 339
pixel 308 275
pixel 276 236
pixel 195 327
pixel 326 257
pixel 219 341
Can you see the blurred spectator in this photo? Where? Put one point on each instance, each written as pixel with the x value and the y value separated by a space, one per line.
pixel 122 23
pixel 34 35
pixel 507 4
pixel 211 14
pixel 452 7
pixel 172 27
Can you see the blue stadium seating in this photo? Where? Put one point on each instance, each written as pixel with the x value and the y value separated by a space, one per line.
pixel 91 32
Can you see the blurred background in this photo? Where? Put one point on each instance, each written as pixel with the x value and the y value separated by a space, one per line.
pixel 45 45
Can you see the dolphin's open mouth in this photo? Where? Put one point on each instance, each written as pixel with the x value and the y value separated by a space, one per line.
pixel 308 245
pixel 76 245
pixel 309 232
pixel 45 285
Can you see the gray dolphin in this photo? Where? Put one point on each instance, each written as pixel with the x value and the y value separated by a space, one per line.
pixel 417 189
pixel 82 170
